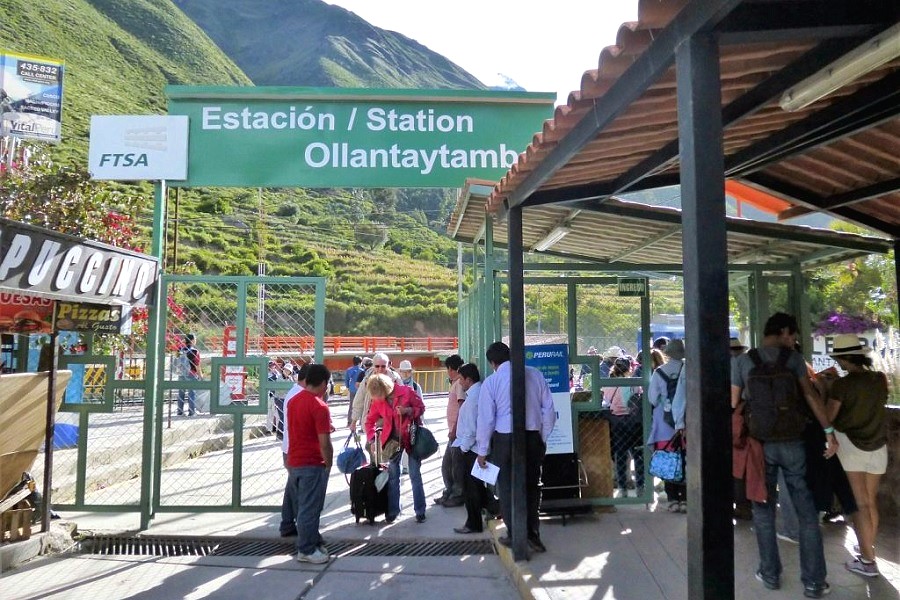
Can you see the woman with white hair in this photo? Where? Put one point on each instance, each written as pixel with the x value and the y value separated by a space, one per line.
pixel 856 408
pixel 396 407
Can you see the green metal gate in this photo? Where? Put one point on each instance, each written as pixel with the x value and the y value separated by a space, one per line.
pixel 224 457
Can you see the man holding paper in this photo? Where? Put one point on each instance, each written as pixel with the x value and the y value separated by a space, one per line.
pixel 494 434
pixel 474 490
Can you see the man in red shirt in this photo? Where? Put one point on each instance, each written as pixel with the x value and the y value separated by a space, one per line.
pixel 308 457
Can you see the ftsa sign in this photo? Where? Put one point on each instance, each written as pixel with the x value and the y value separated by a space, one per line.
pixel 138 147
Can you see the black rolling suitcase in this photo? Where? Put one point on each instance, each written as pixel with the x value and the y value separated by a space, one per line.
pixel 366 502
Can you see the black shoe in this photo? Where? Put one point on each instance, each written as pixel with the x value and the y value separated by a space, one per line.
pixel 769 583
pixel 536 544
pixel 464 530
pixel 438 501
pixel 390 520
pixel 420 518
pixel 453 502
pixel 289 533
pixel 816 591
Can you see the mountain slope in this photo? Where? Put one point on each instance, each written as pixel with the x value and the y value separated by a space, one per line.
pixel 119 55
pixel 311 43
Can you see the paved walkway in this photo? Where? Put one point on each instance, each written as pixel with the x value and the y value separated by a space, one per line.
pixel 635 553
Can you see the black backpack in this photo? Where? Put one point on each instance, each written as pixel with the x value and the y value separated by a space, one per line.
pixel 671 387
pixel 774 409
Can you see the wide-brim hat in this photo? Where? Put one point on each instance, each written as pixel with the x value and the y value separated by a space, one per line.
pixel 613 352
pixel 735 344
pixel 675 349
pixel 848 343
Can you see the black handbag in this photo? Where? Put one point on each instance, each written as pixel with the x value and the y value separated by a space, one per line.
pixel 421 441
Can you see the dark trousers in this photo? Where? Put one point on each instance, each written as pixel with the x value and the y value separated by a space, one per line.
pixel 501 455
pixel 825 477
pixel 453 473
pixel 477 495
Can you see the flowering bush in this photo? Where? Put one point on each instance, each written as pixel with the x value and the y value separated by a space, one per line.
pixel 838 322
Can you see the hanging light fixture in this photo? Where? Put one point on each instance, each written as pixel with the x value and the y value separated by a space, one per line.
pixel 863 59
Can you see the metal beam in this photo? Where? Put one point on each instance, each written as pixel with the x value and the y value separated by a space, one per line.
pixel 710 542
pixel 696 16
pixel 743 226
pixel 799 20
pixel 518 527
pixel 646 243
pixel 640 177
pixel 845 199
pixel 799 195
pixel 866 108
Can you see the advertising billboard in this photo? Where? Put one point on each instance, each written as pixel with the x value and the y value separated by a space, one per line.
pixel 31 92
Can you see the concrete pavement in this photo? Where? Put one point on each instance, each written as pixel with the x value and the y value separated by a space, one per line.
pixel 636 552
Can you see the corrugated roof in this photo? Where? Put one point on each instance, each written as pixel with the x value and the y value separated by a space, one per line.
pixel 842 146
pixel 621 232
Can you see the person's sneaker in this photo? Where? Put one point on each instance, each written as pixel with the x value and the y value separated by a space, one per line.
pixel 867 569
pixel 770 584
pixel 816 591
pixel 682 507
pixel 787 538
pixel 316 557
pixel 420 518
pixel 453 502
pixel 674 506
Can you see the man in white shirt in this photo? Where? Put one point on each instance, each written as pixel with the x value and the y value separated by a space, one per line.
pixel 494 434
pixel 476 494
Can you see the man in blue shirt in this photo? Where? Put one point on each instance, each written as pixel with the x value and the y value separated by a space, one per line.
pixel 493 432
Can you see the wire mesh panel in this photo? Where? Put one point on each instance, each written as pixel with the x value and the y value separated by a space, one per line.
pixel 220 331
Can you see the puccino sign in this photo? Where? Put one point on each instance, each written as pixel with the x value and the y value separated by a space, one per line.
pixel 338 137
pixel 39 262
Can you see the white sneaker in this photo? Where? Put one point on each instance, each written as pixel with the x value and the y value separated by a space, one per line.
pixel 316 557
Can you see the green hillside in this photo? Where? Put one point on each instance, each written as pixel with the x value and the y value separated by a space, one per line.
pixel 311 43
pixel 386 262
pixel 119 55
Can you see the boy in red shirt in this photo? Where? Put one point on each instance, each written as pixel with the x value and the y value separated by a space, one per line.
pixel 308 459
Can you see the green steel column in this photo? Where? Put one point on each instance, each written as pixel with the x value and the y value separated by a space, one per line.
pixel 320 321
pixel 800 307
pixel 155 349
pixel 237 423
pixel 487 297
pixel 758 305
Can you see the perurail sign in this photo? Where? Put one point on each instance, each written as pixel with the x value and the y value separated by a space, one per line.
pixel 338 137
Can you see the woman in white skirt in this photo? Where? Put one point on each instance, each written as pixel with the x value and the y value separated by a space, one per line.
pixel 856 407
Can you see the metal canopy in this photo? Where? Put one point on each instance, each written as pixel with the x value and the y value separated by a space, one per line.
pixel 619 133
pixel 618 231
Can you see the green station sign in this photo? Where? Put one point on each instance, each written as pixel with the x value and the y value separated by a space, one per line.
pixel 633 286
pixel 336 137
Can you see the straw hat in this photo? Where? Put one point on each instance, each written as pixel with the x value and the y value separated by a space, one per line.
pixel 848 343
pixel 675 349
pixel 735 344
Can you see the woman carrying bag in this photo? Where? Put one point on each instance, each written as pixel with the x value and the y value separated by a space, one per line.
pixel 396 407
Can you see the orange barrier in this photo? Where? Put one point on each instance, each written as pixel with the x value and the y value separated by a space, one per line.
pixel 306 344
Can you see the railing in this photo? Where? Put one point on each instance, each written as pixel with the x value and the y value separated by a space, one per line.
pixel 289 345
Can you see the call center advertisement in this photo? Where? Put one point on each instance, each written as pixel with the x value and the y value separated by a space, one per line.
pixel 553 361
pixel 31 90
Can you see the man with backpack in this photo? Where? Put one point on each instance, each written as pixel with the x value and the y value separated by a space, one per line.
pixel 770 385
pixel 662 389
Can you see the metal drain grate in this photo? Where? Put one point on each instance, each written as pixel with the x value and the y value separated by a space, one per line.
pixel 221 546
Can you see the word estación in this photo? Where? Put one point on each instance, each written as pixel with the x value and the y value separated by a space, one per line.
pixel 377 119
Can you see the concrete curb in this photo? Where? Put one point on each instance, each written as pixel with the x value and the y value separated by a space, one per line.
pixel 57 540
pixel 520 573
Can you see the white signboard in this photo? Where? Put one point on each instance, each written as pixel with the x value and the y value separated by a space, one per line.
pixel 138 147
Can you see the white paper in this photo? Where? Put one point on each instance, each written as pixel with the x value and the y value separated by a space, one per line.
pixel 488 474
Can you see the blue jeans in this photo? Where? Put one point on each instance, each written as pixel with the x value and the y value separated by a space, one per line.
pixel 191 395
pixel 309 485
pixel 415 478
pixel 789 457
pixel 789 525
pixel 288 524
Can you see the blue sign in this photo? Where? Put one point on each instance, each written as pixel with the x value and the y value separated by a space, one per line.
pixel 553 361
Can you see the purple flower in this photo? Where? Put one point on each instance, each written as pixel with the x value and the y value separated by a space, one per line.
pixel 838 322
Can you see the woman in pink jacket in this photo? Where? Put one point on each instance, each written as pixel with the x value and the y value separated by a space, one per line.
pixel 394 408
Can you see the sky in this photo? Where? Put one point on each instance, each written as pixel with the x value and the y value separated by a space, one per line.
pixel 542 45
